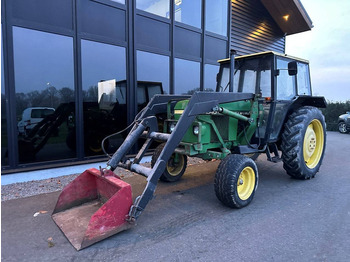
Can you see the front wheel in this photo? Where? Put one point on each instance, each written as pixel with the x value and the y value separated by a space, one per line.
pixel 175 167
pixel 236 180
pixel 303 142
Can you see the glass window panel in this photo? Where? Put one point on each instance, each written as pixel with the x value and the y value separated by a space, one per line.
pixel 4 140
pixel 153 68
pixel 210 77
pixel 188 12
pixel 216 16
pixel 285 82
pixel 119 1
pixel 153 90
pixel 265 83
pixel 224 79
pixel 249 82
pixel 303 79
pixel 103 62
pixel 187 76
pixel 141 95
pixel 44 77
pixel 157 7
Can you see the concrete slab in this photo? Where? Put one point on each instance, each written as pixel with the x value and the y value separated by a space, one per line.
pixel 288 220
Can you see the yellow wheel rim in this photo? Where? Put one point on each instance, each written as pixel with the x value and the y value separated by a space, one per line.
pixel 246 183
pixel 313 143
pixel 175 168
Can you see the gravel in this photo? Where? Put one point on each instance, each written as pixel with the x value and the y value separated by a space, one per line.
pixel 32 188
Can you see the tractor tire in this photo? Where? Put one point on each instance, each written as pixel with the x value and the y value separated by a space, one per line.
pixel 174 170
pixel 303 142
pixel 342 128
pixel 236 181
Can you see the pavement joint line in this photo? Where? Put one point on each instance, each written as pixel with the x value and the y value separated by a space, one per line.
pixel 52 172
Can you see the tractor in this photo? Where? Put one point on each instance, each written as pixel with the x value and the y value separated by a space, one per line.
pixel 263 104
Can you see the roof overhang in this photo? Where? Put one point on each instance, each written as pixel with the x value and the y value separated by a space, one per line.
pixel 289 15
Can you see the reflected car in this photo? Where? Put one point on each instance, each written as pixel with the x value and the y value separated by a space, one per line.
pixel 344 123
pixel 31 116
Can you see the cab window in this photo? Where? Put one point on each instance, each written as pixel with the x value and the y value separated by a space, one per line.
pixel 285 83
pixel 303 78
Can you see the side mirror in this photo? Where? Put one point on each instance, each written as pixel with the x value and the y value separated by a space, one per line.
pixel 292 68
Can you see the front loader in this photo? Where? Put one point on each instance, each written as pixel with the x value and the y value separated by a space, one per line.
pixel 262 104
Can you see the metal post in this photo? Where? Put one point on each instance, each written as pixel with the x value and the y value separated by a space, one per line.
pixel 232 68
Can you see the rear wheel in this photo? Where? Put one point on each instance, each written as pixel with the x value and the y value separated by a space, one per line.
pixel 175 167
pixel 303 142
pixel 236 180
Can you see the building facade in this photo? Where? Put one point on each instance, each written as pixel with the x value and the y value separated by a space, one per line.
pixel 54 53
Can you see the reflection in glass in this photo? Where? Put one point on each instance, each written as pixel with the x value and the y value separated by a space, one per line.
pixel 188 12
pixel 187 76
pixel 105 112
pixel 157 7
pixel 216 16
pixel 210 77
pixel 44 78
pixel 119 1
pixel 153 68
pixel 4 153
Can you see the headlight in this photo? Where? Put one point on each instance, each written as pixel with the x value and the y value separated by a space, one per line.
pixel 172 127
pixel 196 130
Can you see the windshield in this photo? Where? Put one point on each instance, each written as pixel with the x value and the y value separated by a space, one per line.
pixel 252 75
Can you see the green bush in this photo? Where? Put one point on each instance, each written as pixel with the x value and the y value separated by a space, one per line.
pixel 333 111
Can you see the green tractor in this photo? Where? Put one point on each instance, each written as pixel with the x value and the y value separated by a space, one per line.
pixel 281 116
pixel 263 104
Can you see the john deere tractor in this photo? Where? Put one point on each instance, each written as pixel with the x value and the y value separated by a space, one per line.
pixel 263 104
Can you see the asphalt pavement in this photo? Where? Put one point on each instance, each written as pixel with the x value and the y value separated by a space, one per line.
pixel 288 220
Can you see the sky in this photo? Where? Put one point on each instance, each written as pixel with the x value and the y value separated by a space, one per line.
pixel 327 47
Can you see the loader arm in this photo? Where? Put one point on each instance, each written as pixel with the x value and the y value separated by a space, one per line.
pixel 199 103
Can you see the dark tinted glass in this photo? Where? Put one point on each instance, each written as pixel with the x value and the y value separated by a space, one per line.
pixel 4 157
pixel 216 16
pixel 187 76
pixel 210 77
pixel 188 12
pixel 44 77
pixel 103 62
pixel 153 68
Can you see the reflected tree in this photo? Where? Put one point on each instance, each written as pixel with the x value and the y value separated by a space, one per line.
pixel 191 92
pixel 66 94
pixel 91 95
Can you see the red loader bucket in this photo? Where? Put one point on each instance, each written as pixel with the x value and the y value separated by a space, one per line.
pixel 93 207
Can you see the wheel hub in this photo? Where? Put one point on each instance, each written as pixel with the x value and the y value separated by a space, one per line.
pixel 310 139
pixel 246 183
pixel 313 143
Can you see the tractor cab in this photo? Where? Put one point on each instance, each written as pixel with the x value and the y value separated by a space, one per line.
pixel 281 81
pixel 274 76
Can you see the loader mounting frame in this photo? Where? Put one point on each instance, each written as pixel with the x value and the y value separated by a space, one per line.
pixel 146 125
